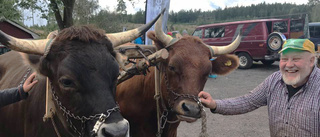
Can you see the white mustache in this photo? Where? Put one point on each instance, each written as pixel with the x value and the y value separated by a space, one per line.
pixel 290 69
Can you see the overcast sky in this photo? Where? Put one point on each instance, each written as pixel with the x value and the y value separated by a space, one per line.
pixel 177 5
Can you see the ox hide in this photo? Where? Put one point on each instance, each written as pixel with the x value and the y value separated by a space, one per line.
pixel 23 117
pixel 187 69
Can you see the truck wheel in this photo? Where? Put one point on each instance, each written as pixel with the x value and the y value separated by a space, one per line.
pixel 245 60
pixel 267 62
pixel 274 42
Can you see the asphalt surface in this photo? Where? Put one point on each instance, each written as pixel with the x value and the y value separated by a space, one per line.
pixel 239 82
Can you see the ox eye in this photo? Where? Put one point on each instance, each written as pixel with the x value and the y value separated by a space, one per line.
pixel 66 82
pixel 171 68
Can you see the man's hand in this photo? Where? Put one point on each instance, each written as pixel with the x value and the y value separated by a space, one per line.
pixel 30 82
pixel 207 100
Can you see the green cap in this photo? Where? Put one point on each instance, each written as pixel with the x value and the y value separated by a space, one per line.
pixel 298 44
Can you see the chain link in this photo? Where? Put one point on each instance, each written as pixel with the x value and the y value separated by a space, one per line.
pixel 83 119
pixel 203 132
pixel 25 77
pixel 177 95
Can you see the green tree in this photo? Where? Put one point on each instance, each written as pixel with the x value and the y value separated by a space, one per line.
pixel 313 2
pixel 8 9
pixel 121 7
pixel 315 17
pixel 108 21
pixel 62 9
pixel 84 10
pixel 138 17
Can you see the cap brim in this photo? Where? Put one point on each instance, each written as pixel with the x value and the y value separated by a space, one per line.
pixel 287 48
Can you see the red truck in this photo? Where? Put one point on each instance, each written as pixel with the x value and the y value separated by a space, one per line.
pixel 262 38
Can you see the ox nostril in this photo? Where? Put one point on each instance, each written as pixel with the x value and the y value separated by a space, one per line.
pixel 185 107
pixel 118 129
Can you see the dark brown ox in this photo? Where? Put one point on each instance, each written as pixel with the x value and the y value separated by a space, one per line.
pixel 83 71
pixel 183 75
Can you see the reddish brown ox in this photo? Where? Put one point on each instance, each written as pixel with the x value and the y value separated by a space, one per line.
pixel 183 75
pixel 83 72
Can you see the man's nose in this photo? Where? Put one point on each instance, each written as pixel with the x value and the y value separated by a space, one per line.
pixel 290 63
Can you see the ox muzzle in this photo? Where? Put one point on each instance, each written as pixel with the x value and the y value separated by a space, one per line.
pixel 187 110
pixel 116 129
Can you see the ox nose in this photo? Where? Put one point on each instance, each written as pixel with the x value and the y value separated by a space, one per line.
pixel 118 129
pixel 188 108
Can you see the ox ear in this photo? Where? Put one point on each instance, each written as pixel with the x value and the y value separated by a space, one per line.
pixel 152 35
pixel 31 60
pixel 44 67
pixel 224 64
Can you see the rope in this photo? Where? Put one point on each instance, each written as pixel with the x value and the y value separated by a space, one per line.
pixel 203 132
pixel 55 126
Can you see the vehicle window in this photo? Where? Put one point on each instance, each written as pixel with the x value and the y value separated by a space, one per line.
pixel 280 26
pixel 197 33
pixel 215 32
pixel 296 25
pixel 314 31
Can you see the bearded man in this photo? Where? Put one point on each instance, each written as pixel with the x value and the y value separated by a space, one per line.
pixel 292 94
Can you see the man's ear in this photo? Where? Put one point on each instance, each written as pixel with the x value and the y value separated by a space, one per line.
pixel 224 64
pixel 312 60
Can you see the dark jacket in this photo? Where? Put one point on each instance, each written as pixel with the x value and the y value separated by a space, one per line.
pixel 12 95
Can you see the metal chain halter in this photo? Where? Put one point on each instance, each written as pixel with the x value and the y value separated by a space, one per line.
pixel 25 77
pixel 203 132
pixel 83 119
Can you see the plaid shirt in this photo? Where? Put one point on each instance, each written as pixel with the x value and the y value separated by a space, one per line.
pixel 298 117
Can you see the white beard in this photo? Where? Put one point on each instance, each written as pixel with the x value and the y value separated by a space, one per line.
pixel 294 81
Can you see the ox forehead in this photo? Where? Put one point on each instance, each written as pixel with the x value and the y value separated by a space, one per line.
pixel 81 67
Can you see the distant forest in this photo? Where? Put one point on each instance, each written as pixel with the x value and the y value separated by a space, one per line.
pixel 227 14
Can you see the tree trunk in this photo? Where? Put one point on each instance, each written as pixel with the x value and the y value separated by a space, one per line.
pixel 57 14
pixel 67 19
pixel 67 14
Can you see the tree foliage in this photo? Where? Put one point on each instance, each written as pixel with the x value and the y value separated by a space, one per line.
pixel 109 21
pixel 8 9
pixel 313 2
pixel 84 10
pixel 315 10
pixel 121 7
pixel 62 9
pixel 261 10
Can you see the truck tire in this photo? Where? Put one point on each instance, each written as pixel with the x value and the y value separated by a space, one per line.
pixel 245 60
pixel 275 41
pixel 267 62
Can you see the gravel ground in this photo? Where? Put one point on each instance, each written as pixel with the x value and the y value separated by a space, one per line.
pixel 239 82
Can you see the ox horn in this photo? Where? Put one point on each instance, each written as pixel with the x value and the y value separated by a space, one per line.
pixel 120 38
pixel 159 32
pixel 24 45
pixel 219 50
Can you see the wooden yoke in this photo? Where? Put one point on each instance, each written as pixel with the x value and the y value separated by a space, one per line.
pixel 142 65
pixel 131 52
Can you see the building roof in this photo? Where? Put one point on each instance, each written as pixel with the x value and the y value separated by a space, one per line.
pixel 33 34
